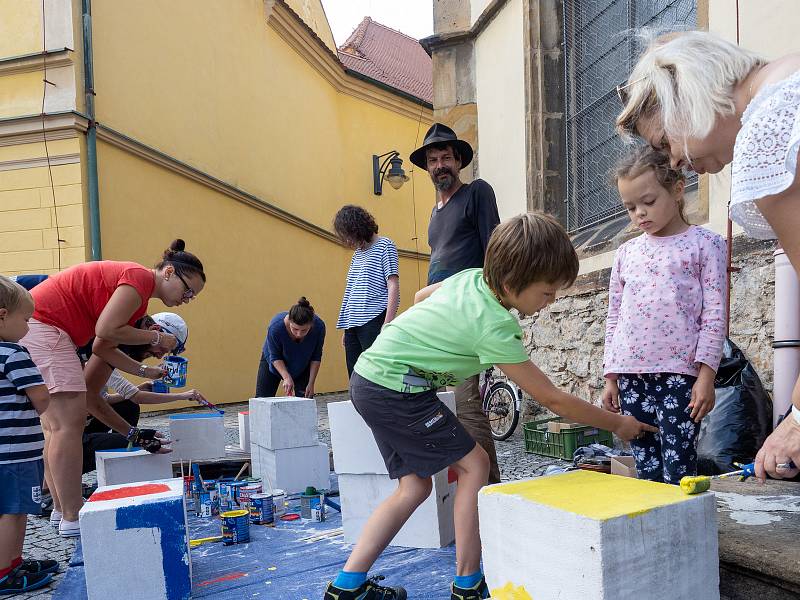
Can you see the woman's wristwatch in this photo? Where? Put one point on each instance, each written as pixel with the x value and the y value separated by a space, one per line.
pixel 142 370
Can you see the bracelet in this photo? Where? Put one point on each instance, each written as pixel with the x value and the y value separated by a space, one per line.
pixel 156 341
pixel 142 370
pixel 796 414
pixel 132 433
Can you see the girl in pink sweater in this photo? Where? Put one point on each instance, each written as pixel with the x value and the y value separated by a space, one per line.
pixel 666 318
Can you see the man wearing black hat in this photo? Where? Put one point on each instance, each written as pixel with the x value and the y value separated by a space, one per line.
pixel 461 223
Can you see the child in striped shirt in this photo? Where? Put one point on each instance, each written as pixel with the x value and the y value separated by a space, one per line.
pixel 23 397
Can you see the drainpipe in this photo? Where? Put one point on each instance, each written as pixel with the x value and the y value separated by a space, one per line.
pixel 91 133
pixel 787 336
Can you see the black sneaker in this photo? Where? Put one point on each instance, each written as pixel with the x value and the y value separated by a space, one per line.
pixel 21 581
pixel 369 590
pixel 479 591
pixel 32 567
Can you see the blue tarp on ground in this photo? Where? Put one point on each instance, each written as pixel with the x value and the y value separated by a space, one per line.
pixel 291 561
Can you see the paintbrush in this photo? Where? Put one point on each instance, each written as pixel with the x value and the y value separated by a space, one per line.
pixel 702 483
pixel 209 405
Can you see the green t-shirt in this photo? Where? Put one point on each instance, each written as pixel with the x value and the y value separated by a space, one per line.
pixel 459 331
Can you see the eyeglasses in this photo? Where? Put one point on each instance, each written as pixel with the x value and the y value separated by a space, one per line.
pixel 189 293
pixel 622 94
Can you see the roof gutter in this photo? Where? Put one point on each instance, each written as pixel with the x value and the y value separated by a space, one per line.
pixel 388 88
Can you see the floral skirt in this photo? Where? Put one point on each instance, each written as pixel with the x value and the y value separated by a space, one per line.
pixel 662 400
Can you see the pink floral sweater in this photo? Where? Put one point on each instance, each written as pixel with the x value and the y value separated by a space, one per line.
pixel 666 304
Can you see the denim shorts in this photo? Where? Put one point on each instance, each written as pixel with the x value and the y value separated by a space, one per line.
pixel 21 492
pixel 415 433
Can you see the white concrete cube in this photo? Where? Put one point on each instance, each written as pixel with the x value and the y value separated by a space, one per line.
pixel 244 431
pixel 291 469
pixel 598 537
pixel 354 447
pixel 135 543
pixel 288 422
pixel 197 436
pixel 127 466
pixel 431 525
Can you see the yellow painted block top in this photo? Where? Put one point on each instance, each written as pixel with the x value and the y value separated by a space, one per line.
pixel 594 495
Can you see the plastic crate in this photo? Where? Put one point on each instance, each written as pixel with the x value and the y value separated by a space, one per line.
pixel 562 444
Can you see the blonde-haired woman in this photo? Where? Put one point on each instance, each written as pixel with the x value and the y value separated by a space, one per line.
pixel 708 102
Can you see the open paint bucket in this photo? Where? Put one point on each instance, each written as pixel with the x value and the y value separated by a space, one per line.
pixel 235 527
pixel 262 509
pixel 176 367
pixel 279 499
pixel 246 492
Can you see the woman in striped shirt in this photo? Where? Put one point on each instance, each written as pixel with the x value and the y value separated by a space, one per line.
pixel 372 292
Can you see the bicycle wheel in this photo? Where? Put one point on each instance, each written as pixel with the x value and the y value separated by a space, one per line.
pixel 501 409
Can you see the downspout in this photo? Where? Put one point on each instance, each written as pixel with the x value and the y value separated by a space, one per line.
pixel 91 133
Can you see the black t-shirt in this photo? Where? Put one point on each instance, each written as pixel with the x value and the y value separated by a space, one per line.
pixel 459 231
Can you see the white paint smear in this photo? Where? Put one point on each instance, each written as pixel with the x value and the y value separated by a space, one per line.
pixel 757 510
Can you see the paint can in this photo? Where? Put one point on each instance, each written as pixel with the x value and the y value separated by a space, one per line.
pixel 235 527
pixel 177 368
pixel 159 387
pixel 246 492
pixel 224 494
pixel 205 505
pixel 279 498
pixel 261 509
pixel 318 508
pixel 234 487
pixel 306 498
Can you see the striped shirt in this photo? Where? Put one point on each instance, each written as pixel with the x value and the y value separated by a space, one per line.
pixel 21 437
pixel 366 294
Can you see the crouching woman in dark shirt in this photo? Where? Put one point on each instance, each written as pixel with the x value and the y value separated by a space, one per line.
pixel 292 352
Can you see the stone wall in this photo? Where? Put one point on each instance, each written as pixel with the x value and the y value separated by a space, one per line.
pixel 566 339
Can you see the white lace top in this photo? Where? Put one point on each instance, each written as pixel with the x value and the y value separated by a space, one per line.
pixel 765 153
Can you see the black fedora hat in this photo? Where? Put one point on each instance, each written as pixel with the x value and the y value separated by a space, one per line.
pixel 439 133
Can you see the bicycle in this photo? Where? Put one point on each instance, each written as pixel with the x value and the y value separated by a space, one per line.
pixel 502 402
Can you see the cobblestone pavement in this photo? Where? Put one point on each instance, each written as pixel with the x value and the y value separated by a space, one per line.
pixel 42 541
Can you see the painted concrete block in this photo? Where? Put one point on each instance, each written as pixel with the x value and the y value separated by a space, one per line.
pixel 197 436
pixel 244 431
pixel 283 422
pixel 292 469
pixel 354 447
pixel 127 466
pixel 431 525
pixel 598 537
pixel 135 543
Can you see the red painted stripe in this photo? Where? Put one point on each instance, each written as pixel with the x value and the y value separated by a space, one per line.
pixel 229 577
pixel 129 492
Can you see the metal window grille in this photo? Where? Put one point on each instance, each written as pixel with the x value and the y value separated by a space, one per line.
pixel 600 52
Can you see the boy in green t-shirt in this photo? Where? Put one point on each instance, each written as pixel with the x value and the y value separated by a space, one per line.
pixel 462 327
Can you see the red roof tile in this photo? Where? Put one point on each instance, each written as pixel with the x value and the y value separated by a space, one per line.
pixel 391 57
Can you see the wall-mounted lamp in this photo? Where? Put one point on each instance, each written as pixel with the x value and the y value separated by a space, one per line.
pixel 395 175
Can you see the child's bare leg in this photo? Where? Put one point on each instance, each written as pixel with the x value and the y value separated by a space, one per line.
pixel 473 473
pixel 47 476
pixel 387 520
pixel 12 536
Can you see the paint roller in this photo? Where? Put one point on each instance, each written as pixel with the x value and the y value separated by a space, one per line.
pixel 702 483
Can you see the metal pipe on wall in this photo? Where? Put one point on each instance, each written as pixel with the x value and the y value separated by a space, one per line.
pixel 786 345
pixel 91 134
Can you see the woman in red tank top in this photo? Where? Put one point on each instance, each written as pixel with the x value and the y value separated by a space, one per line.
pixel 101 299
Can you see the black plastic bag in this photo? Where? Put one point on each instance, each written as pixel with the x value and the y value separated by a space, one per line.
pixel 741 419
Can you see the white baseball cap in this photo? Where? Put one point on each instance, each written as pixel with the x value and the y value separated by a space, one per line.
pixel 174 325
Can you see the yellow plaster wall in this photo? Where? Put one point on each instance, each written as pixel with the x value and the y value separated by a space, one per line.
pixel 225 94
pixel 313 14
pixel 20 27
pixel 256 267
pixel 31 209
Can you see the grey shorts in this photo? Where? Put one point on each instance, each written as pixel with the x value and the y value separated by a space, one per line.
pixel 415 433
